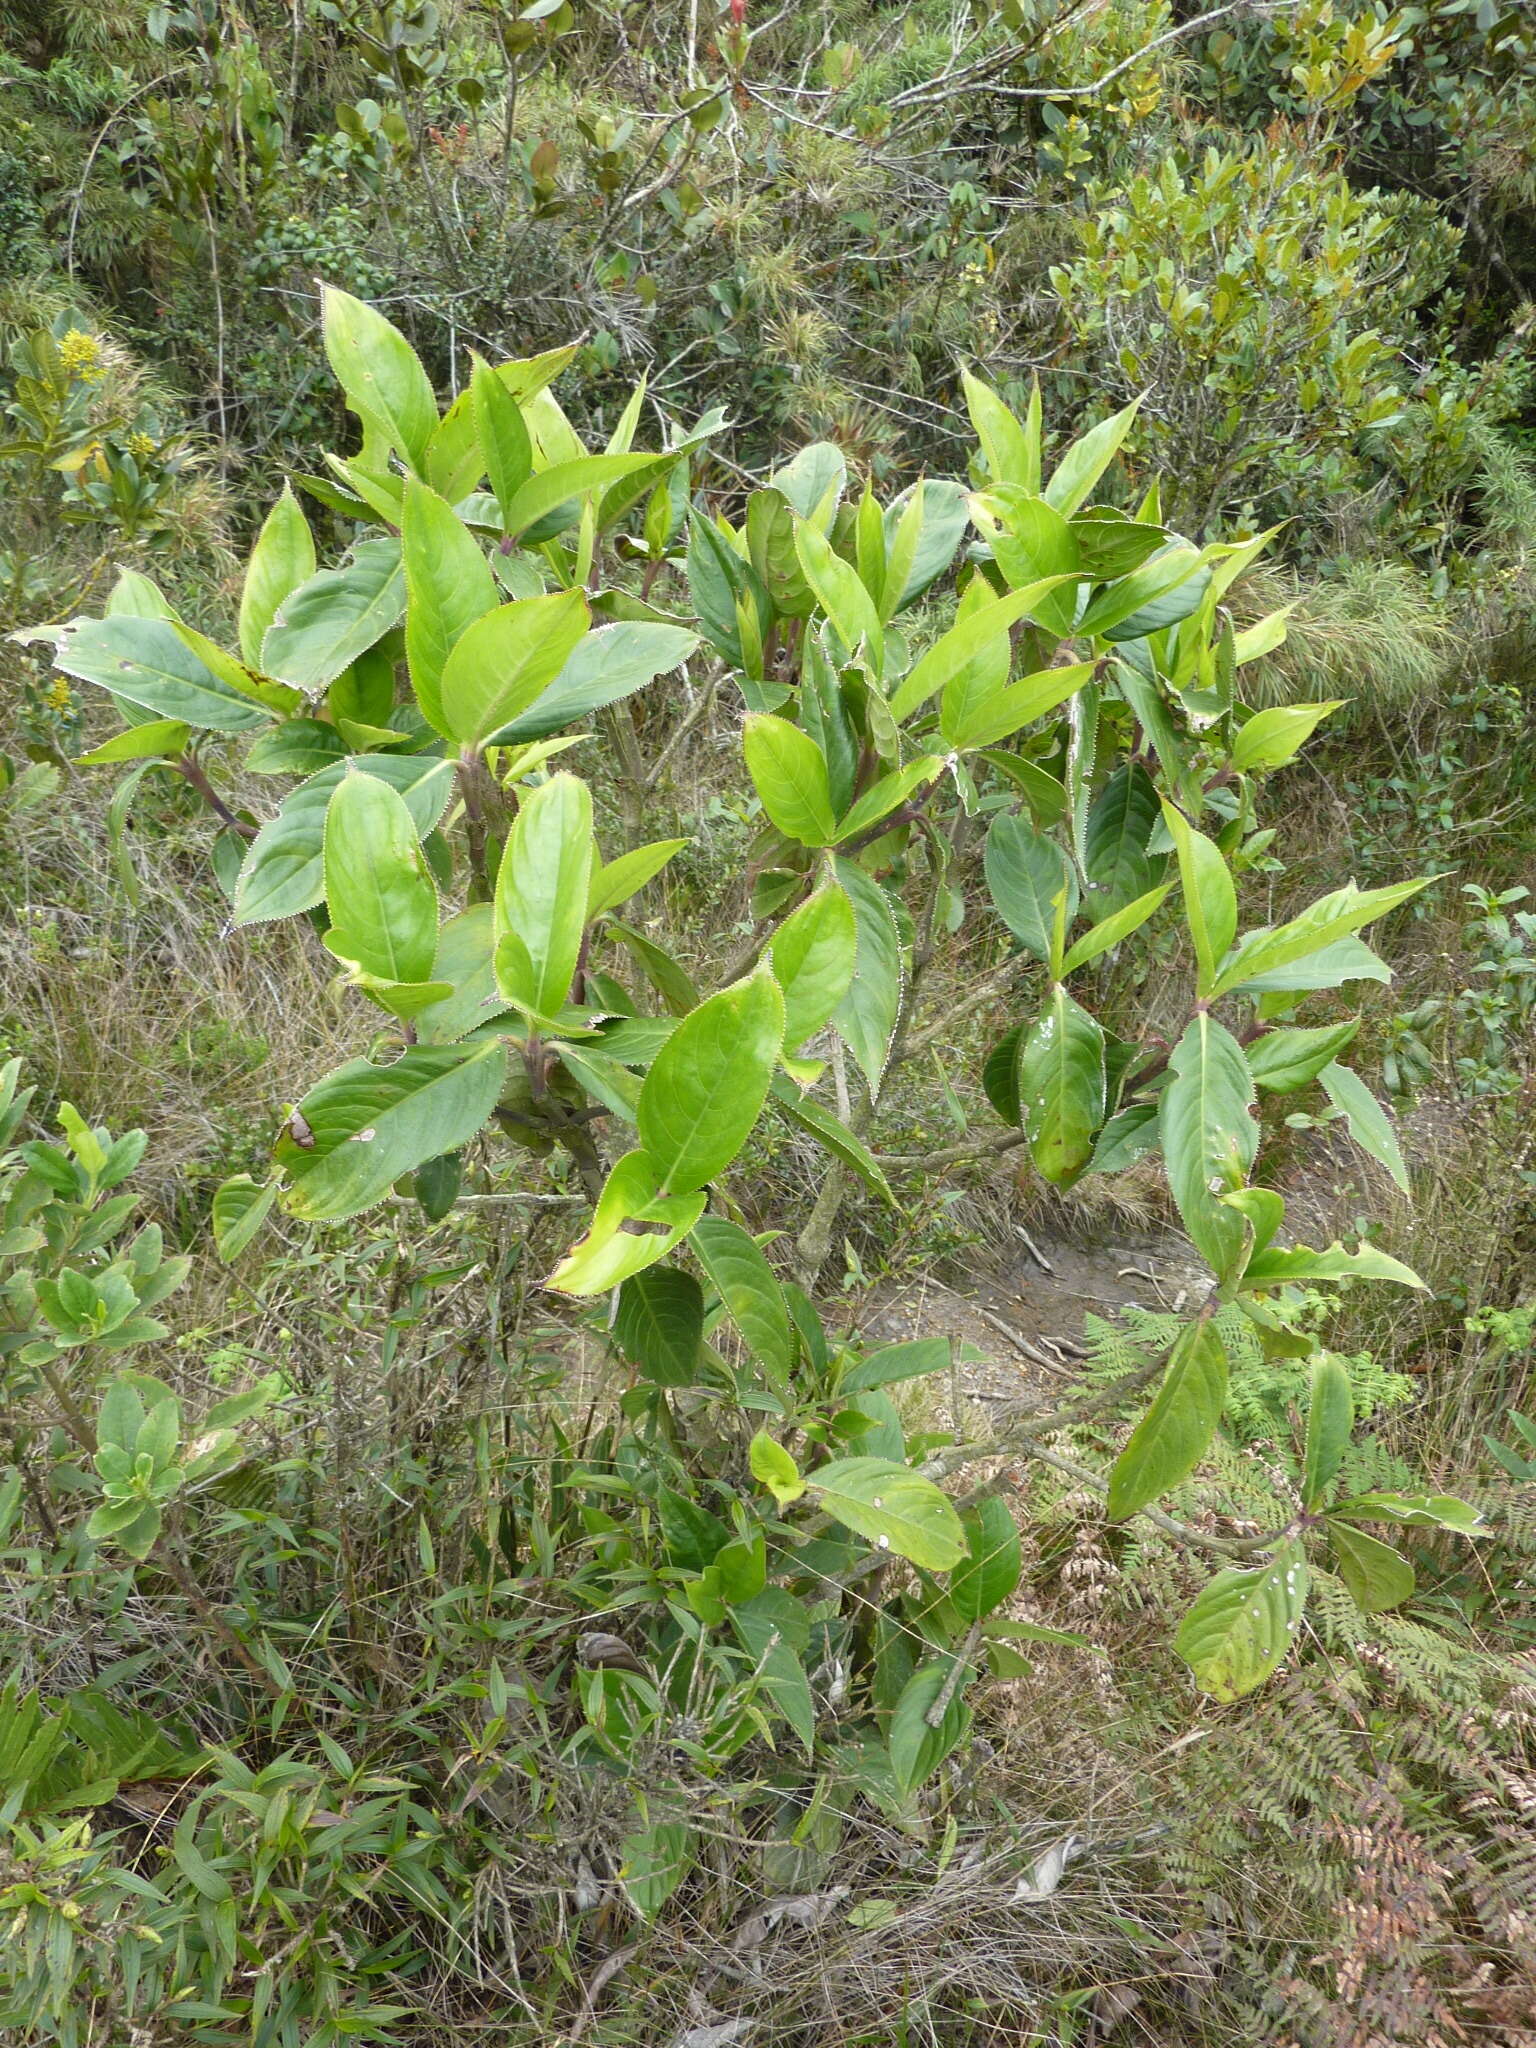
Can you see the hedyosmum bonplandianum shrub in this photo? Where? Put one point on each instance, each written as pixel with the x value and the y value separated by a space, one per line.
pixel 1076 721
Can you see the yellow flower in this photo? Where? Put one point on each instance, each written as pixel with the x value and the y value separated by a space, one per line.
pixel 140 445
pixel 80 354
pixel 59 698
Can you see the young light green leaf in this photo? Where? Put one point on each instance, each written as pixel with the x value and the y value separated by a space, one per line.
pixel 813 955
pixel 884 796
pixel 1115 929
pixel 556 494
pixel 614 1247
pixel 706 1088
pixel 449 585
pixel 1012 449
pixel 1270 1269
pixel 162 739
pixel 974 631
pixel 789 773
pixel 842 596
pixel 541 897
pixel 1330 1418
pixel 1273 737
pixel 506 452
pixel 1210 899
pixel 1061 1088
pixel 1175 1433
pixel 896 1508
pixel 1087 459
pixel 378 887
pixel 1241 1626
pixel 380 373
pixel 1209 1139
pixel 773 1467
pixel 283 872
pixel 1007 711
pixel 1369 1124
pixel 504 660
pixel 364 1126
pixel 282 558
pixel 615 881
pixel 1320 926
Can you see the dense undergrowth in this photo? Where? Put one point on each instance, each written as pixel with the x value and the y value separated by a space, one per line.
pixel 396 1648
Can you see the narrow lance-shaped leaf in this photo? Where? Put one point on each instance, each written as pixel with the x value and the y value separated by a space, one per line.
pixel 1210 900
pixel 813 955
pixel 449 585
pixel 1330 1418
pixel 380 373
pixel 505 449
pixel 1209 1139
pixel 1331 918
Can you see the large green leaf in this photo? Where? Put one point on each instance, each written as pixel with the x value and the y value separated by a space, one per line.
pixel 750 1291
pixel 1378 1577
pixel 1011 448
pixel 912 566
pixel 773 1632
pixel 659 1324
pixel 1320 926
pixel 706 1088
pixel 633 1226
pixel 1175 1433
pixel 1330 1419
pixel 1243 1623
pixel 559 489
pixel 976 630
pixel 1005 712
pixel 380 373
pixel 1030 540
pixel 1269 1269
pixel 894 1507
pixel 1115 856
pixel 505 660
pixel 1285 1060
pixel 464 961
pixel 541 897
pixel 866 1016
pixel 147 662
pixel 364 1126
pixel 449 585
pixel 1413 1511
pixel 1273 737
pixel 917 1748
pixel 1160 592
pixel 1115 929
pixel 990 1571
pixel 1209 1139
pixel 1062 1088
pixel 813 955
pixel 378 887
pixel 282 558
pixel 321 628
pixel 609 663
pixel 283 873
pixel 1025 873
pixel 789 773
pixel 1369 1124
pixel 830 1131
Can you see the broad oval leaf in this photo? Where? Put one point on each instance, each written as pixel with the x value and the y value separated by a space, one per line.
pixel 380 373
pixel 283 872
pixel 1025 873
pixel 366 1125
pixel 323 626
pixel 449 585
pixel 282 558
pixel 1283 1061
pixel 1062 1088
pixel 990 1571
pixel 147 662
pixel 1369 1124
pixel 789 773
pixel 1241 1626
pixel 866 1017
pixel 1273 737
pixel 633 1226
pixel 1378 1577
pixel 813 955
pixel 750 1291
pixel 916 1748
pixel 378 888
pixel 505 660
pixel 706 1087
pixel 659 1324
pixel 896 1508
